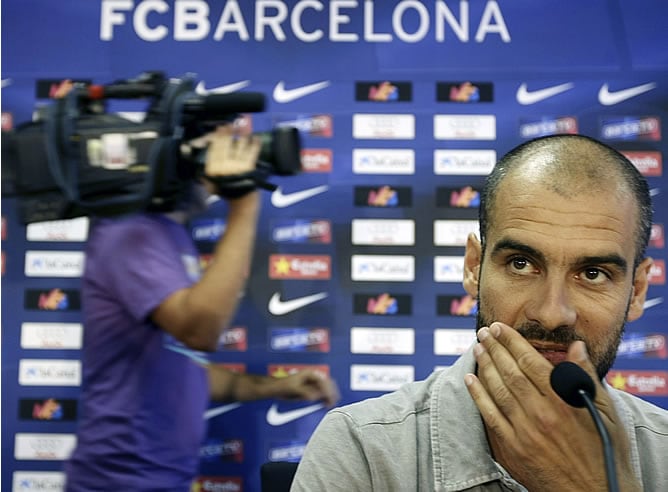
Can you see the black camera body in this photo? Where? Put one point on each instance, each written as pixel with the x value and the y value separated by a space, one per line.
pixel 78 159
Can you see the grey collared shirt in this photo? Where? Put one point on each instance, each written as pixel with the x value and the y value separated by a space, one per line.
pixel 429 436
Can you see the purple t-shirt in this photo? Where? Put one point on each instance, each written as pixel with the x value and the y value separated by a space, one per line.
pixel 143 394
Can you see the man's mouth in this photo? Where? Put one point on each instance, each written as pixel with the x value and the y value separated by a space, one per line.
pixel 553 354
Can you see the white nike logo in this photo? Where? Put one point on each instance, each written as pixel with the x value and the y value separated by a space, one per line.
pixel 283 95
pixel 223 89
pixel 275 418
pixel 281 200
pixel 652 302
pixel 654 191
pixel 607 98
pixel 278 307
pixel 214 412
pixel 526 97
pixel 5 83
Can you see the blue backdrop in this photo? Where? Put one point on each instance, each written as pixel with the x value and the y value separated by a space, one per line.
pixel 403 106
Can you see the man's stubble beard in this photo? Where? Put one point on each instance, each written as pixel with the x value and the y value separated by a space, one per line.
pixel 602 359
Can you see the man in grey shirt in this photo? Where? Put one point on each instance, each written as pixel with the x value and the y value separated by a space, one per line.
pixel 559 269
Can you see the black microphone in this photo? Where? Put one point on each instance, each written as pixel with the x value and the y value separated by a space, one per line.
pixel 576 387
pixel 214 106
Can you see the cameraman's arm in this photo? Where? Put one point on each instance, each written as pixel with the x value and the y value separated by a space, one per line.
pixel 197 315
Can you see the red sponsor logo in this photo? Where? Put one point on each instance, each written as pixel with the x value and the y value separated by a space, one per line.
pixel 283 370
pixel 644 383
pixel 649 163
pixel 657 274
pixel 321 126
pixel 656 238
pixel 314 267
pixel 316 160
pixel 234 339
pixel 217 484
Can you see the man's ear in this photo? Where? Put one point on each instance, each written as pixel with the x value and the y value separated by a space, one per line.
pixel 472 259
pixel 639 294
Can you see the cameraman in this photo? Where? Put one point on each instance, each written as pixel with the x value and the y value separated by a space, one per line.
pixel 149 316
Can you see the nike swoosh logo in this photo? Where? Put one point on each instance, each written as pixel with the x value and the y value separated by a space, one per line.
pixel 526 97
pixel 283 95
pixel 276 418
pixel 652 302
pixel 5 83
pixel 222 89
pixel 214 412
pixel 607 98
pixel 654 192
pixel 278 307
pixel 281 200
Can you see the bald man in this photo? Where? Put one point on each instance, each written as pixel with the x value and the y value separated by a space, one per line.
pixel 558 270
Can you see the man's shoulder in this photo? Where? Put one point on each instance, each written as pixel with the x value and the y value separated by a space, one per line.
pixel 391 408
pixel 644 413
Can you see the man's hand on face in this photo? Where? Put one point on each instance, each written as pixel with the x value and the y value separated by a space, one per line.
pixel 544 443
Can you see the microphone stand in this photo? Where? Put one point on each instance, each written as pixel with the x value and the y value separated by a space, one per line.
pixel 608 455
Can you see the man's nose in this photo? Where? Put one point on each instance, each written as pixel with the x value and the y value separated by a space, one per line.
pixel 552 306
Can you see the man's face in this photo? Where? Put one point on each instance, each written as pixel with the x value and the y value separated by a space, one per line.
pixel 559 269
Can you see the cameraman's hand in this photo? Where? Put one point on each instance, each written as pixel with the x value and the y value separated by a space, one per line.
pixel 229 154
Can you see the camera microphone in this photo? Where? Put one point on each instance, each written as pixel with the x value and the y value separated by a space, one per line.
pixel 576 387
pixel 213 105
pixel 119 91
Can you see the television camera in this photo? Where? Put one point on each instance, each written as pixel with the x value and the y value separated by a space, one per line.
pixel 80 159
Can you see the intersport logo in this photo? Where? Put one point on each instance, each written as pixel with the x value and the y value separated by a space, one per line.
pixel 301 231
pixel 539 127
pixel 54 264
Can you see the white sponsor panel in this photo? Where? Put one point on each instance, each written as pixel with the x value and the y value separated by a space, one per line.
pixel 383 161
pixel 71 230
pixel 380 377
pixel 33 481
pixel 465 127
pixel 382 340
pixel 48 447
pixel 448 268
pixel 51 335
pixel 400 268
pixel 54 263
pixel 384 126
pixel 49 372
pixel 453 341
pixel 464 162
pixel 453 232
pixel 383 232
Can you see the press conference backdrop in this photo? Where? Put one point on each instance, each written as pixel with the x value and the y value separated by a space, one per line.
pixel 403 108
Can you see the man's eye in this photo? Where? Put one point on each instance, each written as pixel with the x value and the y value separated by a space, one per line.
pixel 519 263
pixel 594 275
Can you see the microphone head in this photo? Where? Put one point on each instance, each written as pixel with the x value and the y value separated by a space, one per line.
pixel 568 379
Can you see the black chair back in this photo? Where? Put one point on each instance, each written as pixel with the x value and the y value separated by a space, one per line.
pixel 276 476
